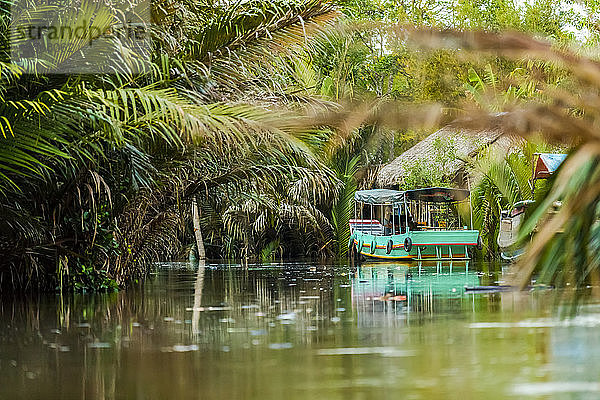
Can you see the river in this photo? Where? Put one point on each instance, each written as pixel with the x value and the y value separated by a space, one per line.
pixel 301 331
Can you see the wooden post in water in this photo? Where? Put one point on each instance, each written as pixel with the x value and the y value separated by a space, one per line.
pixel 197 230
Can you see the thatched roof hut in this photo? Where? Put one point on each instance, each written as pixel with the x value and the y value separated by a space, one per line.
pixel 433 151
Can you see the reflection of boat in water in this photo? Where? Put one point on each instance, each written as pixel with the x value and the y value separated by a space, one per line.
pixel 416 288
pixel 414 224
pixel 544 166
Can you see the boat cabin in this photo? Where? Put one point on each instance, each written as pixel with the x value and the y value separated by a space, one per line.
pixel 375 211
pixel 436 208
pixel 391 212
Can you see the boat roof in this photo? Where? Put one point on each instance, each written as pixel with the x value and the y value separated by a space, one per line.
pixel 437 195
pixel 378 196
pixel 547 164
pixel 431 195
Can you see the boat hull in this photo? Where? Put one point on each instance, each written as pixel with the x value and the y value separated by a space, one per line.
pixel 426 245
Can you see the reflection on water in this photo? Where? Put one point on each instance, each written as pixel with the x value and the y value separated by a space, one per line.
pixel 411 292
pixel 299 331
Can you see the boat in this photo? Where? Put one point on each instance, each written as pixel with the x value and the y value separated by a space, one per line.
pixel 544 166
pixel 421 224
pixel 510 221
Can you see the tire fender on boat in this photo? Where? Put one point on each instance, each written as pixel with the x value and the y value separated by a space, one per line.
pixel 390 246
pixel 408 244
pixel 373 246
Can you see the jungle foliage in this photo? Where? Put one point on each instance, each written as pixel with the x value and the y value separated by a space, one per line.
pixel 98 171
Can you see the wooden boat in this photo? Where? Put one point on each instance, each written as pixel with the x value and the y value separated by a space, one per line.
pixel 544 166
pixel 508 233
pixel 422 224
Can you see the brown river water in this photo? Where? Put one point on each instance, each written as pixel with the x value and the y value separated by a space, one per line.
pixel 301 331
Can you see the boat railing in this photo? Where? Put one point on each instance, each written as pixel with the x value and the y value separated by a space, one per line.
pixel 368 226
pixel 374 227
pixel 442 228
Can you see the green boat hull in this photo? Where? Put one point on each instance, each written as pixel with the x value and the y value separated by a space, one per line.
pixel 426 245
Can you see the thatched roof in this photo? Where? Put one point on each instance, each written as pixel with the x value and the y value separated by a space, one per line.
pixel 465 143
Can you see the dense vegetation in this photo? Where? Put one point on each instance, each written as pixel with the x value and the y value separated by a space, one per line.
pixel 262 117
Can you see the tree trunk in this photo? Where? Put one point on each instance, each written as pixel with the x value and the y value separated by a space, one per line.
pixel 197 230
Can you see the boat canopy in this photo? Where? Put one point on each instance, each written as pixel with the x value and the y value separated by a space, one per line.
pixel 437 195
pixel 547 164
pixel 379 196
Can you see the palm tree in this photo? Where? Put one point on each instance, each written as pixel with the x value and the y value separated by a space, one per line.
pixel 99 170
